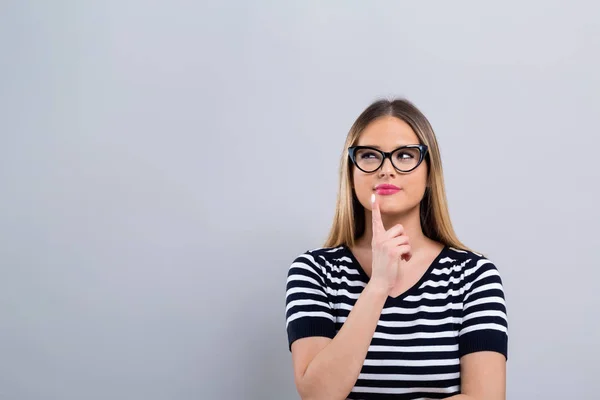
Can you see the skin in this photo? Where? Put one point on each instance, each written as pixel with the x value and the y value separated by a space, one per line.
pixel 401 208
pixel 394 253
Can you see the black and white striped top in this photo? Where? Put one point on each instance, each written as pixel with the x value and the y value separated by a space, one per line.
pixel 456 308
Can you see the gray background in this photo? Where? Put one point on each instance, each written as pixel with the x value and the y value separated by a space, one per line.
pixel 162 163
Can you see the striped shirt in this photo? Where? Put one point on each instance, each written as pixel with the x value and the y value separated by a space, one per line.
pixel 456 308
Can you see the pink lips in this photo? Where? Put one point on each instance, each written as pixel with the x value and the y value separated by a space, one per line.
pixel 386 189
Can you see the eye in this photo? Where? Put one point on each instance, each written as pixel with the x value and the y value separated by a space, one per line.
pixel 405 155
pixel 366 154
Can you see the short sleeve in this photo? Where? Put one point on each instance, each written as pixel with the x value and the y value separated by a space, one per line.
pixel 484 324
pixel 308 309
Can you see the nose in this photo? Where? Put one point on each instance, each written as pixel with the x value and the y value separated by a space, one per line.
pixel 387 168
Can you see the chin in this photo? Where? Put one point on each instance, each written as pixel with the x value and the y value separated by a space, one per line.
pixel 396 208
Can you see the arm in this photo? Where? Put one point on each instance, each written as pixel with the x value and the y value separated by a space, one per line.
pixel 328 368
pixel 483 377
pixel 483 336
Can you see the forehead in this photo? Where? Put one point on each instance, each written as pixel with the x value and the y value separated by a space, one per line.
pixel 387 133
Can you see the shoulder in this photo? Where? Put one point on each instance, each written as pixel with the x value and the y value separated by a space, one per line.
pixel 320 259
pixel 469 265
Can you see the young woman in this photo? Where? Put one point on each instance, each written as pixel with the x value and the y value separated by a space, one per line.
pixel 394 306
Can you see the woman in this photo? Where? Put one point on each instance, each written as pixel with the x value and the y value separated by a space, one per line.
pixel 394 306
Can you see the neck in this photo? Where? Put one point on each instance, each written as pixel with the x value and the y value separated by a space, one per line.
pixel 411 222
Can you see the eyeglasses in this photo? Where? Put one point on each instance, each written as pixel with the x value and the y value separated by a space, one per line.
pixel 404 159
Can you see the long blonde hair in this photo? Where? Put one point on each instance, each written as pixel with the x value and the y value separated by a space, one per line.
pixel 349 220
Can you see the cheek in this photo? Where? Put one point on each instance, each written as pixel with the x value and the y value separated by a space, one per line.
pixel 415 184
pixel 418 182
pixel 363 185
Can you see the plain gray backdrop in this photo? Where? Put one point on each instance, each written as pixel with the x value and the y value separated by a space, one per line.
pixel 163 163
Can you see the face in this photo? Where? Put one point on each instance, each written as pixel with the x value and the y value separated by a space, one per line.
pixel 387 134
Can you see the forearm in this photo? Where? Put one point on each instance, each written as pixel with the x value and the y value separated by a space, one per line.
pixel 335 369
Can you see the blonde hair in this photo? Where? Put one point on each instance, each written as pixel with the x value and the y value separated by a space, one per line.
pixel 349 219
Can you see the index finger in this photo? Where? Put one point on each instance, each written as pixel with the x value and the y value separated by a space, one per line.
pixel 378 228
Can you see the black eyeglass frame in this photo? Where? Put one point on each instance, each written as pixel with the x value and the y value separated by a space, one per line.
pixel 423 152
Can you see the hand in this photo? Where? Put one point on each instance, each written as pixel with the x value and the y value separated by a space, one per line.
pixel 389 248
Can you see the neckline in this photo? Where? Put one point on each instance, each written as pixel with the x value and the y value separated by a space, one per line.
pixel 411 289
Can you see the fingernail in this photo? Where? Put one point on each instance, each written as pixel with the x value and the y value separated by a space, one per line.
pixel 373 198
